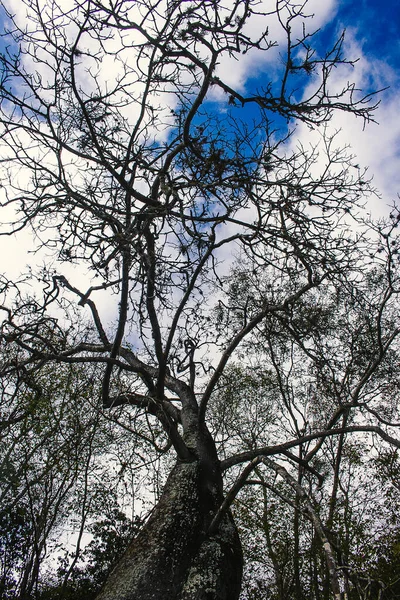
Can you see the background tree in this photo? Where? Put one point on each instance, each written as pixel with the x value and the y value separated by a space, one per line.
pixel 53 479
pixel 110 537
pixel 134 174
pixel 350 497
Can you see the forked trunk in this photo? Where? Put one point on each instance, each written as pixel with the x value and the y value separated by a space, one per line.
pixel 173 557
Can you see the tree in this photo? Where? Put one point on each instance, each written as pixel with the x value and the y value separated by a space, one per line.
pixel 64 466
pixel 128 153
pixel 111 535
pixel 47 453
pixel 347 502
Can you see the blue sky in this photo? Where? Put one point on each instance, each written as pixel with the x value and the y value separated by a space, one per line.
pixel 378 26
pixel 375 24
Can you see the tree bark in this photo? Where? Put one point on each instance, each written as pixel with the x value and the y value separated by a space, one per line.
pixel 174 557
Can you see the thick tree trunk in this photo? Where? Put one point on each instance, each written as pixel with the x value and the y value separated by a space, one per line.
pixel 174 557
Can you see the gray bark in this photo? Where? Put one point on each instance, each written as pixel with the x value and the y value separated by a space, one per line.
pixel 175 557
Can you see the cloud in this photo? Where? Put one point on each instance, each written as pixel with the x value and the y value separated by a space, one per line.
pixel 376 145
pixel 237 70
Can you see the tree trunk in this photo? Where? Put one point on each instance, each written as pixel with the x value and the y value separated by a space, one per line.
pixel 174 557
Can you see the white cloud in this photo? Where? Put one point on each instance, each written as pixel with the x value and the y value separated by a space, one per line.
pixel 376 146
pixel 236 70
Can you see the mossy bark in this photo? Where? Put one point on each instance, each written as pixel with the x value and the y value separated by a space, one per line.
pixel 174 557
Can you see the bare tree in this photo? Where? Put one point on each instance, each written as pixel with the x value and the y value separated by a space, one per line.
pixel 129 154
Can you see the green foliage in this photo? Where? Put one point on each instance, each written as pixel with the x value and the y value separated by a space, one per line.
pixel 54 477
pixel 15 538
pixel 110 536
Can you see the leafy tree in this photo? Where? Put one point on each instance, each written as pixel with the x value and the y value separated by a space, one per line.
pixel 130 155
pixel 47 448
pixel 287 516
pixel 53 449
pixel 110 537
pixel 13 548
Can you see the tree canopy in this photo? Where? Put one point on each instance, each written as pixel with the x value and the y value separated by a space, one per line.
pixel 212 290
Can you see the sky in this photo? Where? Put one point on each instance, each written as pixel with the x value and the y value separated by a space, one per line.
pixel 372 34
pixel 377 25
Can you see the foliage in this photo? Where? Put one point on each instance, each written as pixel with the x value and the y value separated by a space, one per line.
pixel 110 537
pixel 53 478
